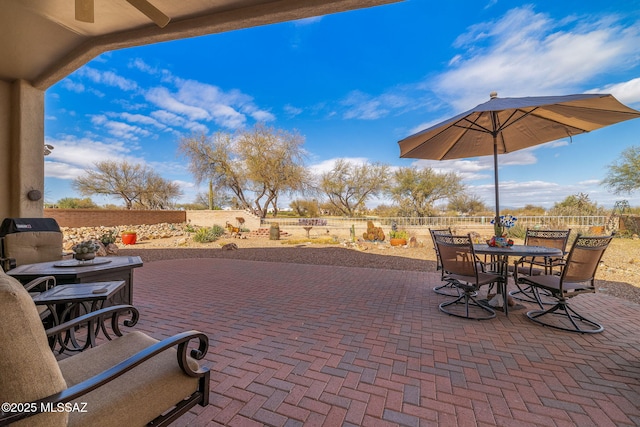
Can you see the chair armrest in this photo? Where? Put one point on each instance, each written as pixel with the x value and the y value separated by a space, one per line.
pixel 7 263
pixel 181 340
pixel 49 282
pixel 94 322
pixel 497 264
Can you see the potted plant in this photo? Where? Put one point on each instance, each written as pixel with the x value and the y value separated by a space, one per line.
pixel 500 229
pixel 128 237
pixel 398 237
pixel 85 251
pixel 108 238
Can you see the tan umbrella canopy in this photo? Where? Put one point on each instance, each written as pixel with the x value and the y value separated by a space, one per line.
pixel 504 125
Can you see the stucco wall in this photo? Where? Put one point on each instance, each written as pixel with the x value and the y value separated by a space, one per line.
pixel 208 218
pixel 112 218
pixel 27 149
pixel 5 170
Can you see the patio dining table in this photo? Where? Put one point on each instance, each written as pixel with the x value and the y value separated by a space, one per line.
pixel 502 255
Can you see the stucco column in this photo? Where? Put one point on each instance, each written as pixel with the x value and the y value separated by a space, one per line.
pixel 26 148
pixel 5 138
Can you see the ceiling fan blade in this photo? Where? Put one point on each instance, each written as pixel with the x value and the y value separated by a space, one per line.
pixel 84 11
pixel 151 11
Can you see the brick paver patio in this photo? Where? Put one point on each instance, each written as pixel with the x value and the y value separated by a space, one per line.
pixel 295 344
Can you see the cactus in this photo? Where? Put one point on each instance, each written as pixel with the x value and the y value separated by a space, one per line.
pixel 373 233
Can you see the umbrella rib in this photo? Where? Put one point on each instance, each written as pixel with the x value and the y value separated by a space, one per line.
pixel 474 126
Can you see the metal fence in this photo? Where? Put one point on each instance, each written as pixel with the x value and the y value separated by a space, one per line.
pixel 442 221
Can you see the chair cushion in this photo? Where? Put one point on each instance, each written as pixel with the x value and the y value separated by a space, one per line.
pixel 33 247
pixel 470 281
pixel 134 398
pixel 552 284
pixel 28 368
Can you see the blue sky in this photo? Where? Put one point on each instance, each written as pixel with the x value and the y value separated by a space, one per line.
pixel 355 83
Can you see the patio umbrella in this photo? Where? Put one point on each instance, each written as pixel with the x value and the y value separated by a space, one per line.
pixel 504 125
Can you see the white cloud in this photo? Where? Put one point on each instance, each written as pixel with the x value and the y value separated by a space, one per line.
pixel 126 131
pixel 161 97
pixel 108 78
pixel 292 111
pixel 73 86
pixel 363 106
pixel 61 170
pixel 73 155
pixel 99 119
pixel 141 65
pixel 525 50
pixel 626 92
pixel 120 129
pixel 490 3
pixel 307 21
pixel 197 102
pixel 542 193
pixel 327 165
pixel 168 118
pixel 480 167
pixel 142 119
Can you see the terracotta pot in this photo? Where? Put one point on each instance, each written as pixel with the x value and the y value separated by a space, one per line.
pixel 129 238
pixel 397 242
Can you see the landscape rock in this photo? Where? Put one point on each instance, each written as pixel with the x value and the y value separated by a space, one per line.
pixel 73 236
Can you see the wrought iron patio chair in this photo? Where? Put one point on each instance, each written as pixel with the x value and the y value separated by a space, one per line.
pixel 447 288
pixel 464 270
pixel 577 278
pixel 533 266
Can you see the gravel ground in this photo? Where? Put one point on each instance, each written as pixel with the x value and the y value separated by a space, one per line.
pixel 618 275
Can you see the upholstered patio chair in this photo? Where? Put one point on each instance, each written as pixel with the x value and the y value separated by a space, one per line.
pixel 29 241
pixel 464 270
pixel 577 277
pixel 533 266
pixel 130 379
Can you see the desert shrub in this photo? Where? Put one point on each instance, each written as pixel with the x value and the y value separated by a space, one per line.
pixel 217 230
pixel 518 231
pixel 208 235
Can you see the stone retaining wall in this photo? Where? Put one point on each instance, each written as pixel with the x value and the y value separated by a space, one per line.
pixel 73 235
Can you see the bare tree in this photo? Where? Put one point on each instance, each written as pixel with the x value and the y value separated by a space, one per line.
pixel 256 166
pixel 348 186
pixel 158 193
pixel 134 183
pixel 219 199
pixel 111 178
pixel 416 190
pixel 466 203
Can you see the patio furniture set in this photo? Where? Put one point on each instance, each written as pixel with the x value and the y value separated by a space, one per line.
pixel 543 273
pixel 101 376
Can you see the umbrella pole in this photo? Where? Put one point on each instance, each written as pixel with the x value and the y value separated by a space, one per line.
pixel 495 168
